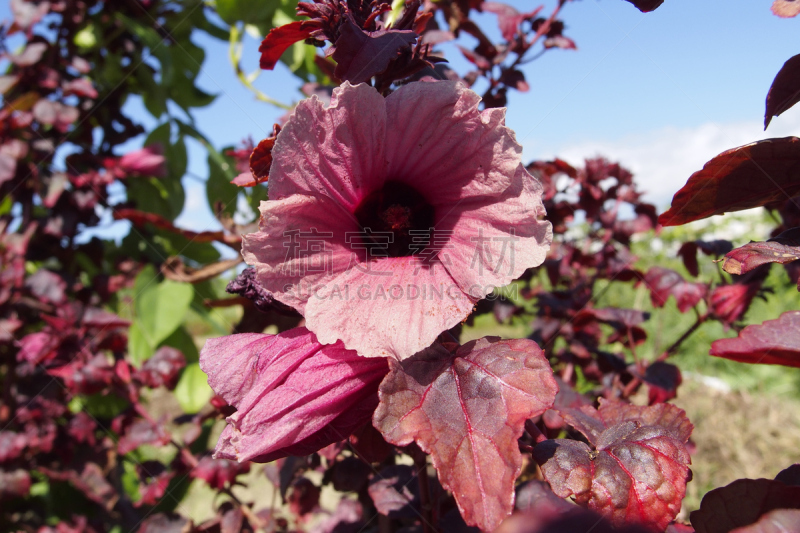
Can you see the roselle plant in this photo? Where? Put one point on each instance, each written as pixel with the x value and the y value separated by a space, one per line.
pixel 398 215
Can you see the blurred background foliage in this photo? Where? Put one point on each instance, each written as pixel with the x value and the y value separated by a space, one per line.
pixel 122 444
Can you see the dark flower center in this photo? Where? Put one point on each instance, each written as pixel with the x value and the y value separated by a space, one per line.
pixel 396 221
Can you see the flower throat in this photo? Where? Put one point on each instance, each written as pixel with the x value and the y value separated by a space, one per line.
pixel 396 221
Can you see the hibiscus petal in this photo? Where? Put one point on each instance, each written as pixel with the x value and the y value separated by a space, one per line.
pixel 493 241
pixel 391 315
pixel 302 240
pixel 291 393
pixel 336 152
pixel 440 143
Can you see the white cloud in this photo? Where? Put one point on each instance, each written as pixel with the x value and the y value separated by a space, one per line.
pixel 662 160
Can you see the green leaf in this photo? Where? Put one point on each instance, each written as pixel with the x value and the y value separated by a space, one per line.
pixel 86 37
pixel 250 11
pixel 164 197
pixel 160 309
pixel 192 390
pixel 130 481
pixel 256 195
pixel 221 170
pixel 103 406
pixel 175 244
pixel 184 93
pixel 181 340
pixel 154 96
pixel 139 349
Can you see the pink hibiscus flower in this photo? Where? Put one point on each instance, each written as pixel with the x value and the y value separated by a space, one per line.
pixel 389 218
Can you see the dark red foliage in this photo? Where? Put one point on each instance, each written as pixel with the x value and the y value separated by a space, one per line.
pixel 14 484
pixel 646 6
pixel 467 410
pixel 162 369
pixel 774 342
pixel 778 521
pixel 395 492
pixel 742 503
pixel 636 468
pixel 790 476
pixel 784 248
pixel 303 497
pixel 784 91
pixel 360 54
pixel 663 380
pixel 508 18
pixel 752 175
pixel 138 431
pixel 218 473
pixel 280 39
pixel 688 252
pixel 369 444
pixel 664 283
pixel 728 303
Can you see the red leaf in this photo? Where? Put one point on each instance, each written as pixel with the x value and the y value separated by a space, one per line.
pixel 559 41
pixel 637 473
pixel 664 283
pixel 785 89
pixel 467 410
pixel 752 175
pixel 281 38
pixel 638 469
pixel 786 8
pixel 218 472
pixel 790 476
pixel 245 179
pixel 508 18
pixel 730 302
pixel 742 503
pixel 688 251
pixel 775 342
pixel 778 521
pixel 783 249
pixel 261 157
pixel 395 492
pixel 645 6
pixel 14 484
pixel 140 432
pixel 162 369
pixel 360 54
pixel 665 415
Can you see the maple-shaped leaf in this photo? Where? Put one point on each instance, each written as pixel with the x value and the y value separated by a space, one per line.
pixel 783 248
pixel 774 342
pixel 360 54
pixel 749 176
pixel 742 503
pixel 467 410
pixel 636 468
pixel 664 283
pixel 645 6
pixel 785 89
